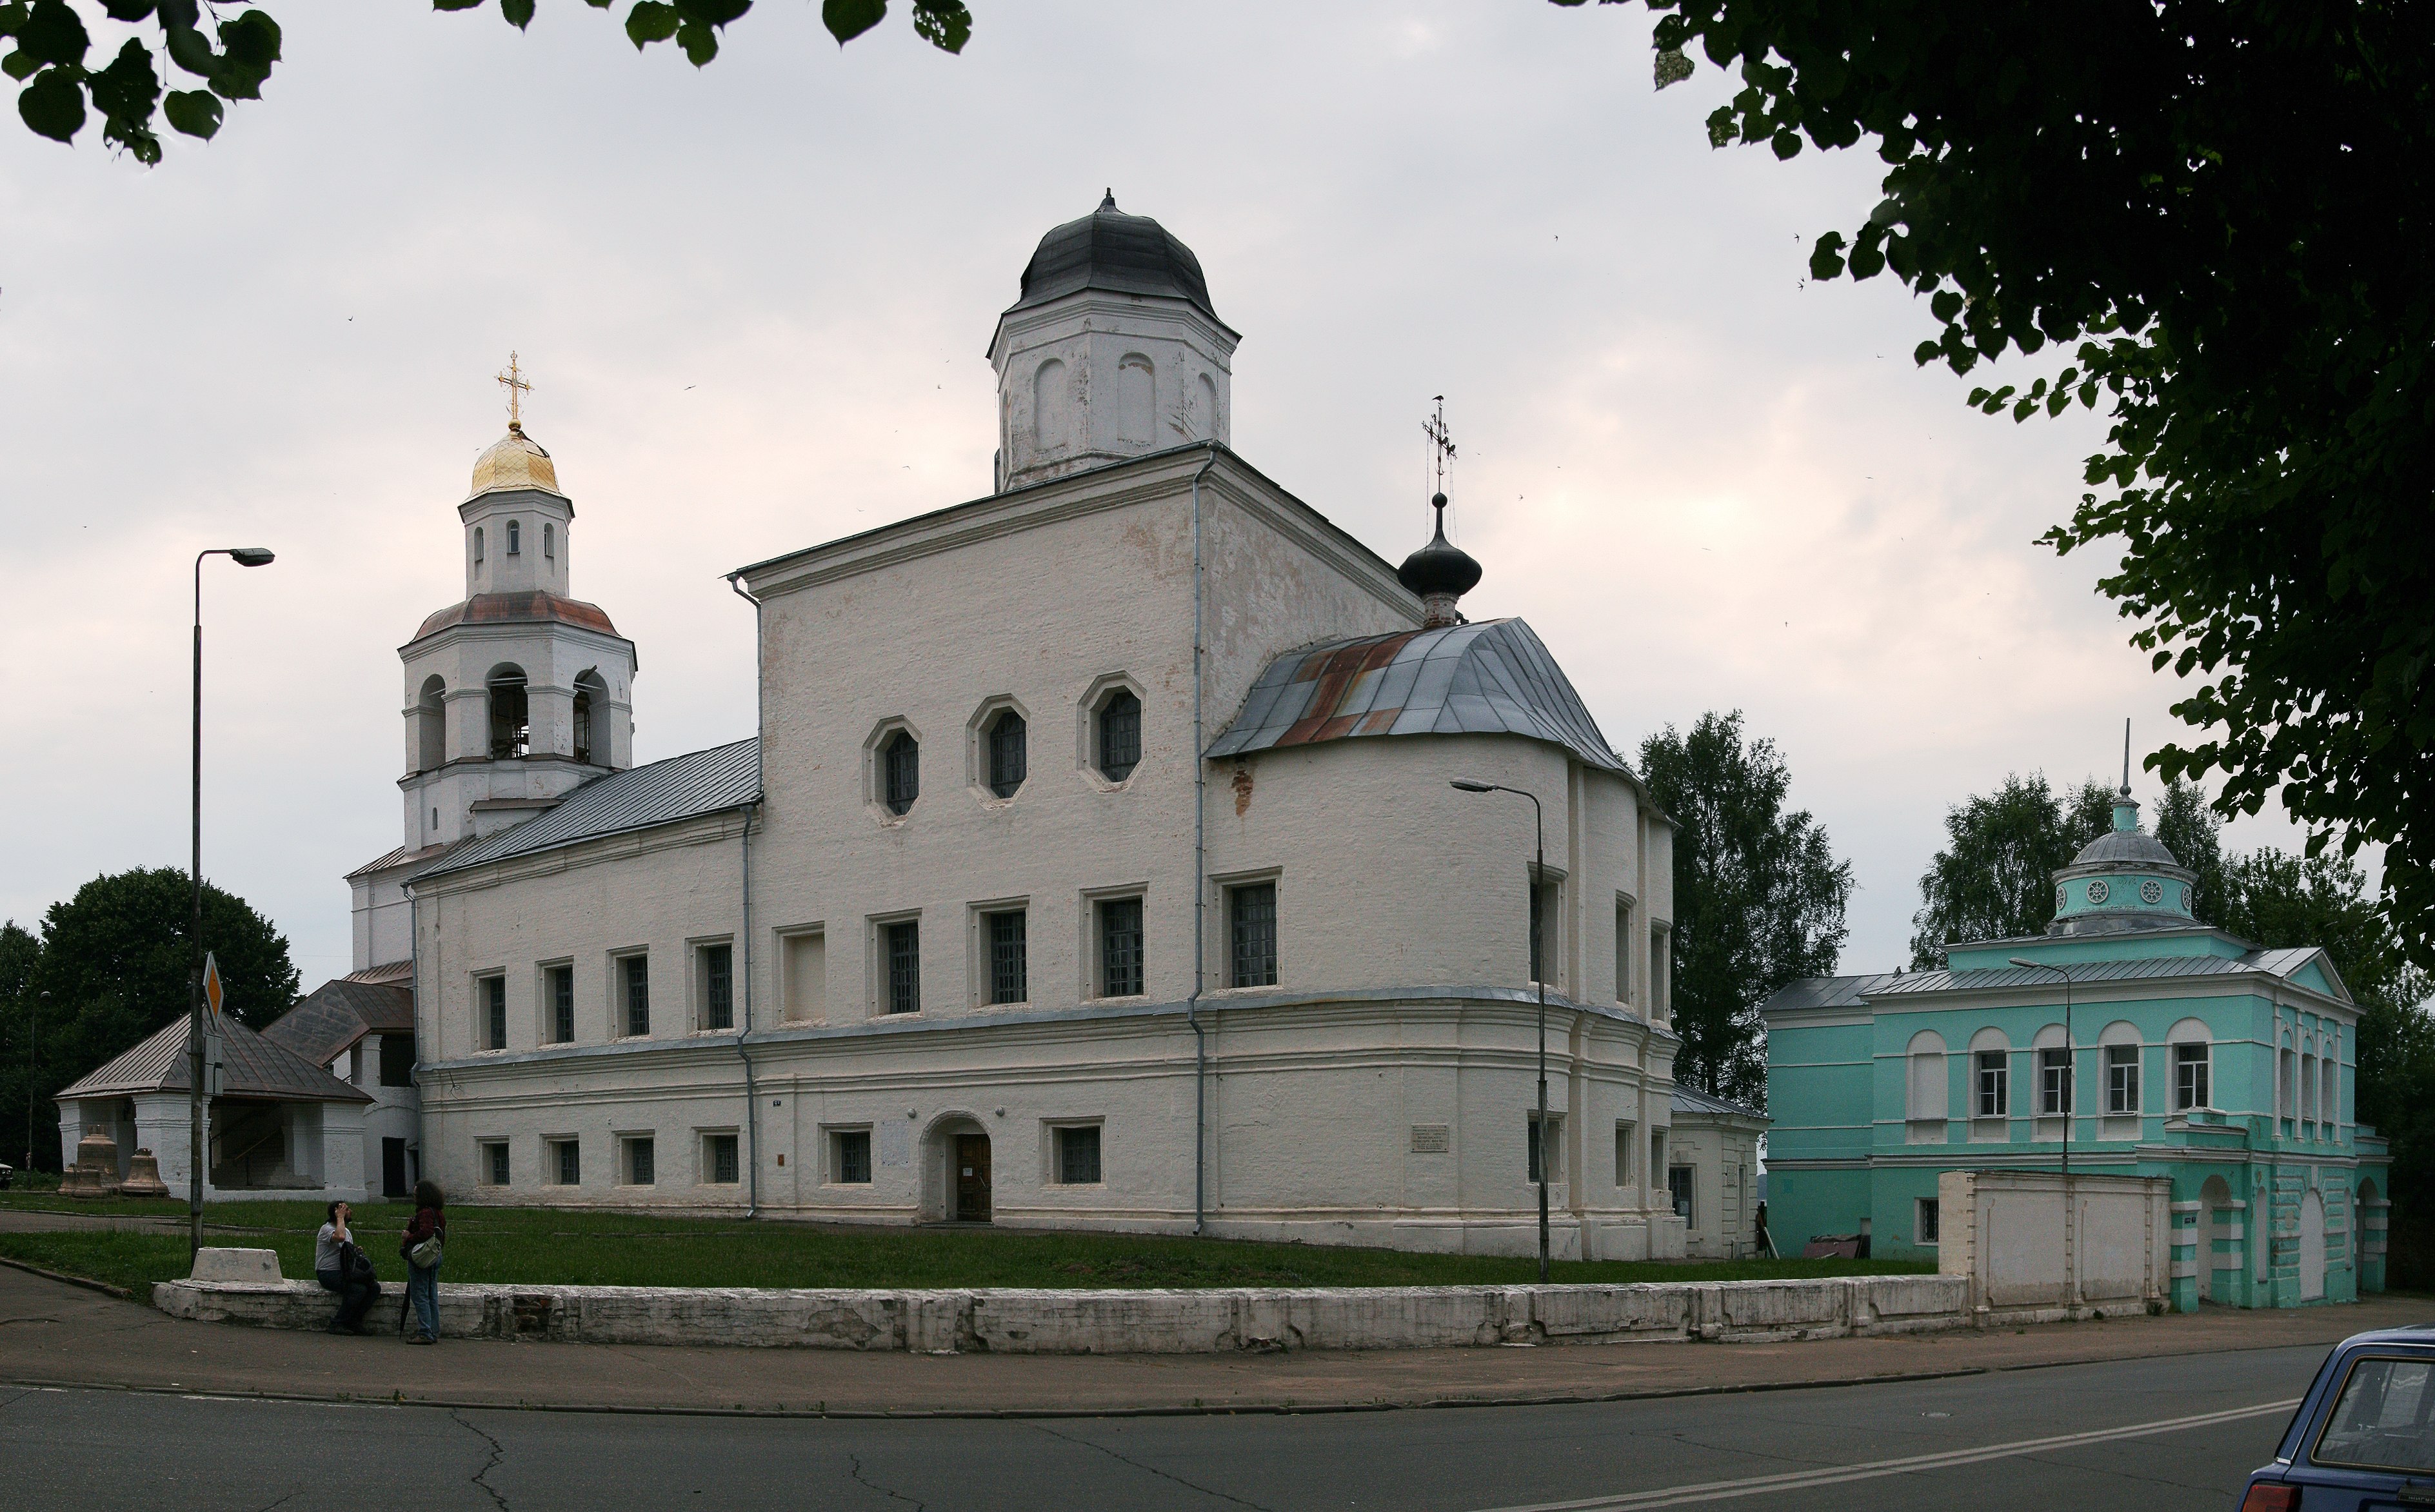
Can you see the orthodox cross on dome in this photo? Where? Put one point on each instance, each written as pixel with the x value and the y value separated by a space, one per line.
pixel 1440 441
pixel 513 381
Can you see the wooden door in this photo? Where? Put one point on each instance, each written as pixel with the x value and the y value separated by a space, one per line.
pixel 973 1177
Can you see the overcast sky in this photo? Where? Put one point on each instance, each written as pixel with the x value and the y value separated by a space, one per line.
pixel 1708 485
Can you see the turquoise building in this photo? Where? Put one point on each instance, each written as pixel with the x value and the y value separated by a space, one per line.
pixel 2189 1053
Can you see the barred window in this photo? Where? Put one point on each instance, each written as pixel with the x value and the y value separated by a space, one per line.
pixel 901 764
pixel 1007 756
pixel 568 1156
pixel 637 970
pixel 902 943
pixel 494 1156
pixel 1119 735
pixel 1253 922
pixel 719 1164
pixel 494 1013
pixel 1120 948
pixel 1077 1156
pixel 718 987
pixel 639 1161
pixel 562 1005
pixel 850 1156
pixel 1009 967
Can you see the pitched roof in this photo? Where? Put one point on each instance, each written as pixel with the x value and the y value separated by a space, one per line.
pixel 1840 991
pixel 680 787
pixel 1687 1101
pixel 340 1012
pixel 251 1066
pixel 1824 991
pixel 1492 678
pixel 404 855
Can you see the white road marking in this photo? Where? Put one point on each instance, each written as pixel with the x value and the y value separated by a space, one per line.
pixel 1838 1474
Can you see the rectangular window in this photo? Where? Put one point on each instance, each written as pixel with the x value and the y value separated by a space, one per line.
pixel 494 1013
pixel 1010 962
pixel 494 1163
pixel 718 987
pixel 1252 920
pixel 1623 953
pixel 1924 1226
pixel 1656 1151
pixel 1552 1147
pixel 1120 948
pixel 637 1152
pixel 1994 1083
pixel 1678 1188
pixel 719 1161
pixel 397 1060
pixel 1927 1093
pixel 850 1156
pixel 1623 1141
pixel 1077 1156
pixel 2121 1078
pixel 2054 1081
pixel 2189 1077
pixel 634 975
pixel 1661 967
pixel 902 944
pixel 566 1163
pixel 1546 913
pixel 807 976
pixel 2379 1422
pixel 562 1005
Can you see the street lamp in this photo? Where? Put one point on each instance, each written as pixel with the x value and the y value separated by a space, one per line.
pixel 1539 973
pixel 2070 1055
pixel 244 556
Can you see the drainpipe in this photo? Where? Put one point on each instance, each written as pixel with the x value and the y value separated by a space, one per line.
pixel 414 1000
pixel 1199 886
pixel 743 1050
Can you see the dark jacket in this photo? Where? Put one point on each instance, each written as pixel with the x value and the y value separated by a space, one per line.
pixel 427 1221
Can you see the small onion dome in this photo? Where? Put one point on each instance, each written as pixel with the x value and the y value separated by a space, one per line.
pixel 1440 573
pixel 516 461
pixel 1109 249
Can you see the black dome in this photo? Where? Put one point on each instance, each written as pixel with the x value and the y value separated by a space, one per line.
pixel 1440 567
pixel 1109 249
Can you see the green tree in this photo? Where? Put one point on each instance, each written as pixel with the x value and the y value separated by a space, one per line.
pixel 117 961
pixel 23 1098
pixel 2229 206
pixel 64 82
pixel 1758 895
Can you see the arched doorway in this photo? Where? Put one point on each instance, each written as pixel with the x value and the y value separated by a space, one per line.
pixel 958 1161
pixel 2215 1222
pixel 2312 1247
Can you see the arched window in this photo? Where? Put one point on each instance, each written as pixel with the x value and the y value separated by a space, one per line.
pixel 515 537
pixel 431 725
pixel 2308 1086
pixel 1208 408
pixel 2193 1065
pixel 1137 410
pixel 477 545
pixel 510 724
pixel 1925 1100
pixel 1052 406
pixel 1119 734
pixel 2122 1054
pixel 549 541
pixel 2055 1070
pixel 1991 1074
pixel 2286 1085
pixel 1009 758
pixel 2330 1105
pixel 900 762
pixel 591 705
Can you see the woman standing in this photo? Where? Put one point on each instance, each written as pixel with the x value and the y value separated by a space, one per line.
pixel 421 1249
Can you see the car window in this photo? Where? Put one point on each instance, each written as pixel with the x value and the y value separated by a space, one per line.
pixel 2380 1422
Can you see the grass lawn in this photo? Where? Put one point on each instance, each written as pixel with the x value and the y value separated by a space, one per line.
pixel 537 1246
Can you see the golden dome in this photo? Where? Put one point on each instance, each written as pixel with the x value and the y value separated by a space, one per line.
pixel 516 461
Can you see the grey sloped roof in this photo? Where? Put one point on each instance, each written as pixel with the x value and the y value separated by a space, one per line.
pixel 2125 847
pixel 251 1066
pixel 680 787
pixel 340 1012
pixel 1492 677
pixel 1687 1101
pixel 1111 249
pixel 2081 971
pixel 1824 992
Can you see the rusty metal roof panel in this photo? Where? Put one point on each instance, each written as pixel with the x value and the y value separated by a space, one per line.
pixel 680 787
pixel 340 1012
pixel 1492 677
pixel 251 1066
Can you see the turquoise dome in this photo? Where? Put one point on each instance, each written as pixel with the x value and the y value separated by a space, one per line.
pixel 2123 880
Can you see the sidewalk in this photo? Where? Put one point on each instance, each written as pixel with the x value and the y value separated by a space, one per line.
pixel 52 1333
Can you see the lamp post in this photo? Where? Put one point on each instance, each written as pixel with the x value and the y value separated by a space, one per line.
pixel 2070 1056
pixel 244 556
pixel 1539 975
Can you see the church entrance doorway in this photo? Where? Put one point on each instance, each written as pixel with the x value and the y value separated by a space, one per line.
pixel 2312 1247
pixel 972 1171
pixel 393 1168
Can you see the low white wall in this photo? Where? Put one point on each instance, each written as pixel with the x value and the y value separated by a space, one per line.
pixel 1130 1322
pixel 2036 1245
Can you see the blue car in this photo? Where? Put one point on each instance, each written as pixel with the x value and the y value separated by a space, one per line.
pixel 2364 1439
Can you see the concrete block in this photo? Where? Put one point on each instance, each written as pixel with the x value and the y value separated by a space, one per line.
pixel 258 1266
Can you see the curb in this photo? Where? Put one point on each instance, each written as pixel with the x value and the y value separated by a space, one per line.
pixel 85 1282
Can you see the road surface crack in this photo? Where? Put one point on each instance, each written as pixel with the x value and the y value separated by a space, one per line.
pixel 853 1464
pixel 497 1454
pixel 1152 1470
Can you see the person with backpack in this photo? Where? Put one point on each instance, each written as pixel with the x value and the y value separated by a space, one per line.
pixel 422 1248
pixel 344 1269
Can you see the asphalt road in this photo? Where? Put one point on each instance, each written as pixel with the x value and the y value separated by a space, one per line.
pixel 2082 1436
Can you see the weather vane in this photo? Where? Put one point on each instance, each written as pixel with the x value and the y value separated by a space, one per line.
pixel 513 381
pixel 1440 441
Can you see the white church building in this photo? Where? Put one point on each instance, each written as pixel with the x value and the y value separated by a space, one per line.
pixel 1096 864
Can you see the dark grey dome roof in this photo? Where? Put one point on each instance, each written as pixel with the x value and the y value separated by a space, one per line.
pixel 2125 847
pixel 1109 249
pixel 1440 567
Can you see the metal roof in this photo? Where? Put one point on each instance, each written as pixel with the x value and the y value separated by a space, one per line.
pixel 1841 991
pixel 1825 992
pixel 680 787
pixel 1111 249
pixel 251 1066
pixel 532 607
pixel 1492 677
pixel 1687 1101
pixel 340 1012
pixel 404 855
